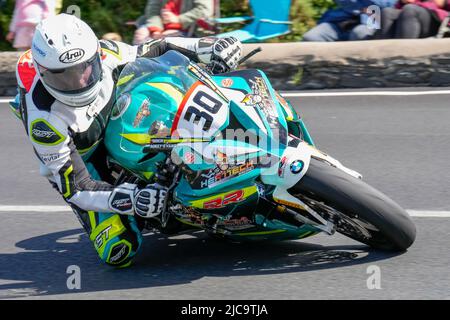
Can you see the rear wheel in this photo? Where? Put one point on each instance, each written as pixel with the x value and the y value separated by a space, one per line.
pixel 358 210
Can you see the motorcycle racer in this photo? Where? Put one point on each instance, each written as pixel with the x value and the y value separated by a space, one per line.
pixel 66 91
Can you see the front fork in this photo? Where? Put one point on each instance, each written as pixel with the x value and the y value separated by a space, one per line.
pixel 290 170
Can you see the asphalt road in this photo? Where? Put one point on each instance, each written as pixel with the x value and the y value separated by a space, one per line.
pixel 400 145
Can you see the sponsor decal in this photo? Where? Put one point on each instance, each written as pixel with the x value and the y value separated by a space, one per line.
pixel 262 99
pixel 261 190
pixel 297 166
pixel 236 224
pixel 252 100
pixel 142 113
pixel 224 199
pixel 228 82
pixel 72 55
pixel 216 176
pixel 222 160
pixel 44 133
pixel 102 237
pixel 118 253
pixel 50 157
pixel 189 158
pixel 39 50
pixel 281 167
pixel 220 202
pixel 110 46
pixel 159 130
pixel 160 144
pixel 193 216
pixel 122 202
pixel 259 88
pixel 289 204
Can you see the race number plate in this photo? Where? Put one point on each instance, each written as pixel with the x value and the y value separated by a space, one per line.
pixel 201 114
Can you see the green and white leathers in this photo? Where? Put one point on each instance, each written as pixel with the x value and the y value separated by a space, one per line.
pixel 67 89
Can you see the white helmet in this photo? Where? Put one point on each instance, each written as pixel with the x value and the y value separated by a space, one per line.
pixel 66 56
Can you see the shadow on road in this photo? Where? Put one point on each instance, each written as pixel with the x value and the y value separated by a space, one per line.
pixel 40 268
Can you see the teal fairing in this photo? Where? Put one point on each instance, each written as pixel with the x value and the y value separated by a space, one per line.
pixel 147 98
pixel 224 135
pixel 154 96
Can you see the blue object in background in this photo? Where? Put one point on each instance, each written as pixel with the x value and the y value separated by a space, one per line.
pixel 350 8
pixel 270 19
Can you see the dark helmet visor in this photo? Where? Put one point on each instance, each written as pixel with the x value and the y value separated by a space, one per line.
pixel 76 79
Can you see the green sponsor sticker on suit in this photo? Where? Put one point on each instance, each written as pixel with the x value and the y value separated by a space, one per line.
pixel 44 133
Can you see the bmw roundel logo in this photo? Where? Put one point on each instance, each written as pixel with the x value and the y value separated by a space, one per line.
pixel 297 166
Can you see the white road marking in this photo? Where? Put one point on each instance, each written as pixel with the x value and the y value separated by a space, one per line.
pixel 64 209
pixel 342 94
pixel 429 214
pixel 30 209
pixel 363 93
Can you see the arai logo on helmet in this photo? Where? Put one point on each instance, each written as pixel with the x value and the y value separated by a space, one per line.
pixel 71 56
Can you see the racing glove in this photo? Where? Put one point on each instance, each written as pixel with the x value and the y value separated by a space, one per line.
pixel 149 201
pixel 220 54
pixel 128 199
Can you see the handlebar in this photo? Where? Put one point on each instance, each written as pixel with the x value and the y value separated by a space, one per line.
pixel 251 54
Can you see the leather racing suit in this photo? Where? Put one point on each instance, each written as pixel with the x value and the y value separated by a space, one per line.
pixel 68 143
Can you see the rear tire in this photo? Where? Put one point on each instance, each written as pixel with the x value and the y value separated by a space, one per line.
pixel 359 203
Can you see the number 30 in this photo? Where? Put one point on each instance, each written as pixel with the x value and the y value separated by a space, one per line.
pixel 209 104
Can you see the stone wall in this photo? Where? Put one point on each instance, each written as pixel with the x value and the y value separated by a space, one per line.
pixel 363 64
pixel 7 73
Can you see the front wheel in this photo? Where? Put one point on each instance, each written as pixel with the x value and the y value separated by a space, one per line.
pixel 358 210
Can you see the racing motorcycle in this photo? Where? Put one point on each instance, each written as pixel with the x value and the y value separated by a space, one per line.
pixel 237 160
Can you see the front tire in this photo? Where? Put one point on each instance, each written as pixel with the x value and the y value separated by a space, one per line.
pixel 362 212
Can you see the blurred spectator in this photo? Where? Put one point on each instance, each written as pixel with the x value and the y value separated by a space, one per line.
pixel 27 14
pixel 347 22
pixel 58 6
pixel 412 19
pixel 112 36
pixel 171 18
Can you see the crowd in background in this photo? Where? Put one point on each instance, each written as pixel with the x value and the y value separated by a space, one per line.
pixel 27 14
pixel 161 18
pixel 171 18
pixel 402 19
pixel 399 19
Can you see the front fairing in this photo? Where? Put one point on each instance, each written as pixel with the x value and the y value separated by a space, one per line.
pixel 148 94
pixel 224 131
